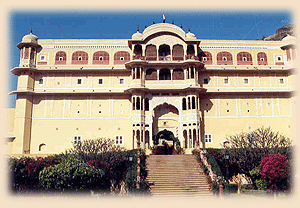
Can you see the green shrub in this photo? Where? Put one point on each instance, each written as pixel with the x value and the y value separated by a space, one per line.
pixel 231 188
pixel 214 165
pixel 71 174
pixel 261 184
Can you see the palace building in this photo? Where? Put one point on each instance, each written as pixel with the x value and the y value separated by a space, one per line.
pixel 161 81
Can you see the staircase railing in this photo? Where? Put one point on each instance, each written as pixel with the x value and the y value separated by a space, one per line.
pixel 204 160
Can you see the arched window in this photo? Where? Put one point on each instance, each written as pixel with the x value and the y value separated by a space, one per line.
pixel 133 103
pixel 244 58
pixel 189 103
pixel 42 147
pixel 224 58
pixel 164 74
pixel 151 74
pixel 190 51
pixel 178 53
pixel 193 103
pixel 60 58
pixel 183 103
pixel 121 57
pixel 178 74
pixel 138 106
pixel 101 58
pixel 80 57
pixel 185 136
pixel 151 53
pixel 137 52
pixel 146 104
pixel 164 52
pixel 262 58
pixel 207 58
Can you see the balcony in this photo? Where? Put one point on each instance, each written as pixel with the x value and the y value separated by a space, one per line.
pixel 165 58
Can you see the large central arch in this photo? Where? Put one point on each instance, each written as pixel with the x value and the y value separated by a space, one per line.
pixel 165 118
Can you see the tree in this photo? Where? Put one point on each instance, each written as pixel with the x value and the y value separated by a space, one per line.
pixel 274 169
pixel 88 149
pixel 247 149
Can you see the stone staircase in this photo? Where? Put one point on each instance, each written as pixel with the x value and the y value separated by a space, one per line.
pixel 176 175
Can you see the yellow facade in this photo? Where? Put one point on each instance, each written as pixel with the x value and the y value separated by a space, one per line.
pixel 161 79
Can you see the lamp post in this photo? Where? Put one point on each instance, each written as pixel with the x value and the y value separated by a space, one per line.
pixel 130 159
pixel 227 156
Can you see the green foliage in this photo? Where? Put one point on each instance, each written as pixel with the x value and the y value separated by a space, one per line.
pixel 71 174
pixel 214 165
pixel 261 184
pixel 230 188
pixel 247 149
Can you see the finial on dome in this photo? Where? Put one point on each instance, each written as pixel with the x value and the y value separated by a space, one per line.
pixel 145 26
pixel 172 22
pixel 138 29
pixel 153 22
pixel 189 29
pixel 181 26
pixel 30 30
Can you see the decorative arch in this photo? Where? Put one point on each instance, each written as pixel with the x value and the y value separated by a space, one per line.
pixel 178 53
pixel 151 74
pixel 262 58
pixel 244 58
pixel 60 58
pixel 165 74
pixel 137 51
pixel 80 57
pixel 224 58
pixel 101 58
pixel 164 51
pixel 151 53
pixel 121 57
pixel 207 58
pixel 42 147
pixel 178 74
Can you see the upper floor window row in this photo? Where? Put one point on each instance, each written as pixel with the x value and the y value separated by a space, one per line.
pixel 243 58
pixel 99 58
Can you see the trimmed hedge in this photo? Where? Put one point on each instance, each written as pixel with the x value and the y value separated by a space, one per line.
pixel 71 174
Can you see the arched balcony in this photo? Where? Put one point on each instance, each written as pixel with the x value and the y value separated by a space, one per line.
pixel 164 53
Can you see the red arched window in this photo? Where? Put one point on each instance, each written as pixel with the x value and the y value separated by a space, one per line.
pixel 244 58
pixel 61 57
pixel 151 53
pixel 80 57
pixel 224 58
pixel 121 57
pixel 262 58
pixel 178 53
pixel 207 58
pixel 101 57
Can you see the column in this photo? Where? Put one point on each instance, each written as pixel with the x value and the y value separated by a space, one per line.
pixel 158 74
pixel 171 74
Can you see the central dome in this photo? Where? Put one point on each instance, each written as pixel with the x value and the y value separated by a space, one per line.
pixel 163 27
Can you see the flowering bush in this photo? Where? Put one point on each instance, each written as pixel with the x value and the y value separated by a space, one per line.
pixel 24 172
pixel 274 169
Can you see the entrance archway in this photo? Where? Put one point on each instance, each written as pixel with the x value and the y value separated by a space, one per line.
pixel 165 141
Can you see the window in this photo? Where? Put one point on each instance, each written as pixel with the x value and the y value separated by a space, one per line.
pixel 224 58
pixel 279 58
pixel 204 59
pixel 61 58
pixel 226 80
pixel 42 57
pixel 122 58
pixel 205 81
pixel 100 81
pixel 281 81
pixel 244 58
pixel 100 58
pixel 262 59
pixel 41 81
pixel 118 139
pixel 208 138
pixel 79 81
pixel 121 81
pixel 246 81
pixel 76 140
pixel 79 58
